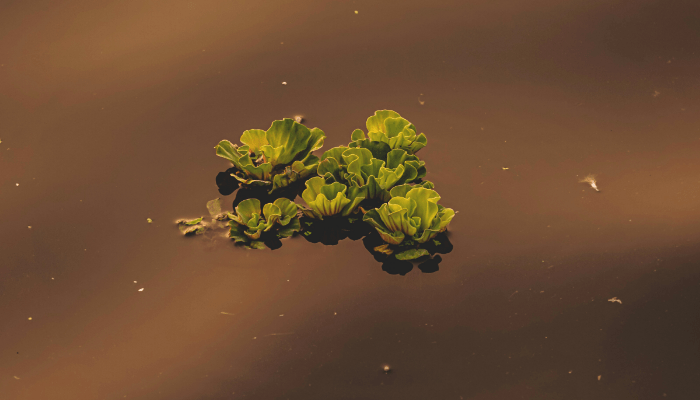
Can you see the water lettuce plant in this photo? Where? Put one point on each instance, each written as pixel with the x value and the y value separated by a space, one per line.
pixel 326 200
pixel 410 218
pixel 248 223
pixel 389 127
pixel 358 167
pixel 274 158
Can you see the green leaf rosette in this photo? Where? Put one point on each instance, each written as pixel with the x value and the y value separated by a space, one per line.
pixel 274 158
pixel 389 127
pixel 248 223
pixel 412 216
pixel 360 167
pixel 326 200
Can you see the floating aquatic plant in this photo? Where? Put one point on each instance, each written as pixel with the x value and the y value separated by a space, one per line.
pixel 274 158
pixel 326 200
pixel 379 166
pixel 411 217
pixel 389 127
pixel 248 223
pixel 357 167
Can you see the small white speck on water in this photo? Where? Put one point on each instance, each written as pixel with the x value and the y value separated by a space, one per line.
pixel 141 290
pixel 30 227
pixel 357 12
pixel 16 377
pixel 135 282
pixel 284 83
pixel 386 368
pixel 16 184
pixel 30 318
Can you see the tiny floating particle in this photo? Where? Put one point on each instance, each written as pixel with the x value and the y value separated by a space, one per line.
pixel 284 83
pixel 356 12
pixel 30 227
pixel 590 179
pixel 16 184
pixel 505 168
pixel 299 119
pixel 149 220
pixel 615 300
pixel 141 290
pixel 386 368
pixel 30 318
pixel 600 376
pixel 16 377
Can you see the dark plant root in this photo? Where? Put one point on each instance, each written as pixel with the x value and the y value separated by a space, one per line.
pixel 332 230
pixel 427 264
pixel 272 242
pixel 393 266
pixel 431 265
pixel 226 183
pixel 444 247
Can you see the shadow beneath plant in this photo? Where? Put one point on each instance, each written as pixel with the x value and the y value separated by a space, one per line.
pixel 427 264
pixel 226 183
pixel 332 230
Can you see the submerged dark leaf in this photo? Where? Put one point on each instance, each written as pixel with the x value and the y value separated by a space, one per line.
pixel 412 254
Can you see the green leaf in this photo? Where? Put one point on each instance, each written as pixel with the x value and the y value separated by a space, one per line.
pixel 214 207
pixel 289 229
pixel 256 244
pixel 281 155
pixel 412 254
pixel 255 139
pixel 324 200
pixel 190 222
pixel 389 127
pixel 411 212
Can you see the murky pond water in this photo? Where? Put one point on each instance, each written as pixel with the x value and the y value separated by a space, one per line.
pixel 552 290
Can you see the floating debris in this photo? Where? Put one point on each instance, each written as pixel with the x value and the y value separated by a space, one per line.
pixel 149 220
pixel 386 368
pixel 141 290
pixel 30 318
pixel 284 83
pixel 225 313
pixel 356 12
pixel 16 377
pixel 299 119
pixel 590 179
pixel 505 168
pixel 615 300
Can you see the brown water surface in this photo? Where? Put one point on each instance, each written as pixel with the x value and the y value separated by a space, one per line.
pixel 109 112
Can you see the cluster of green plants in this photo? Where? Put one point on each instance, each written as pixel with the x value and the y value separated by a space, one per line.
pixel 376 181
